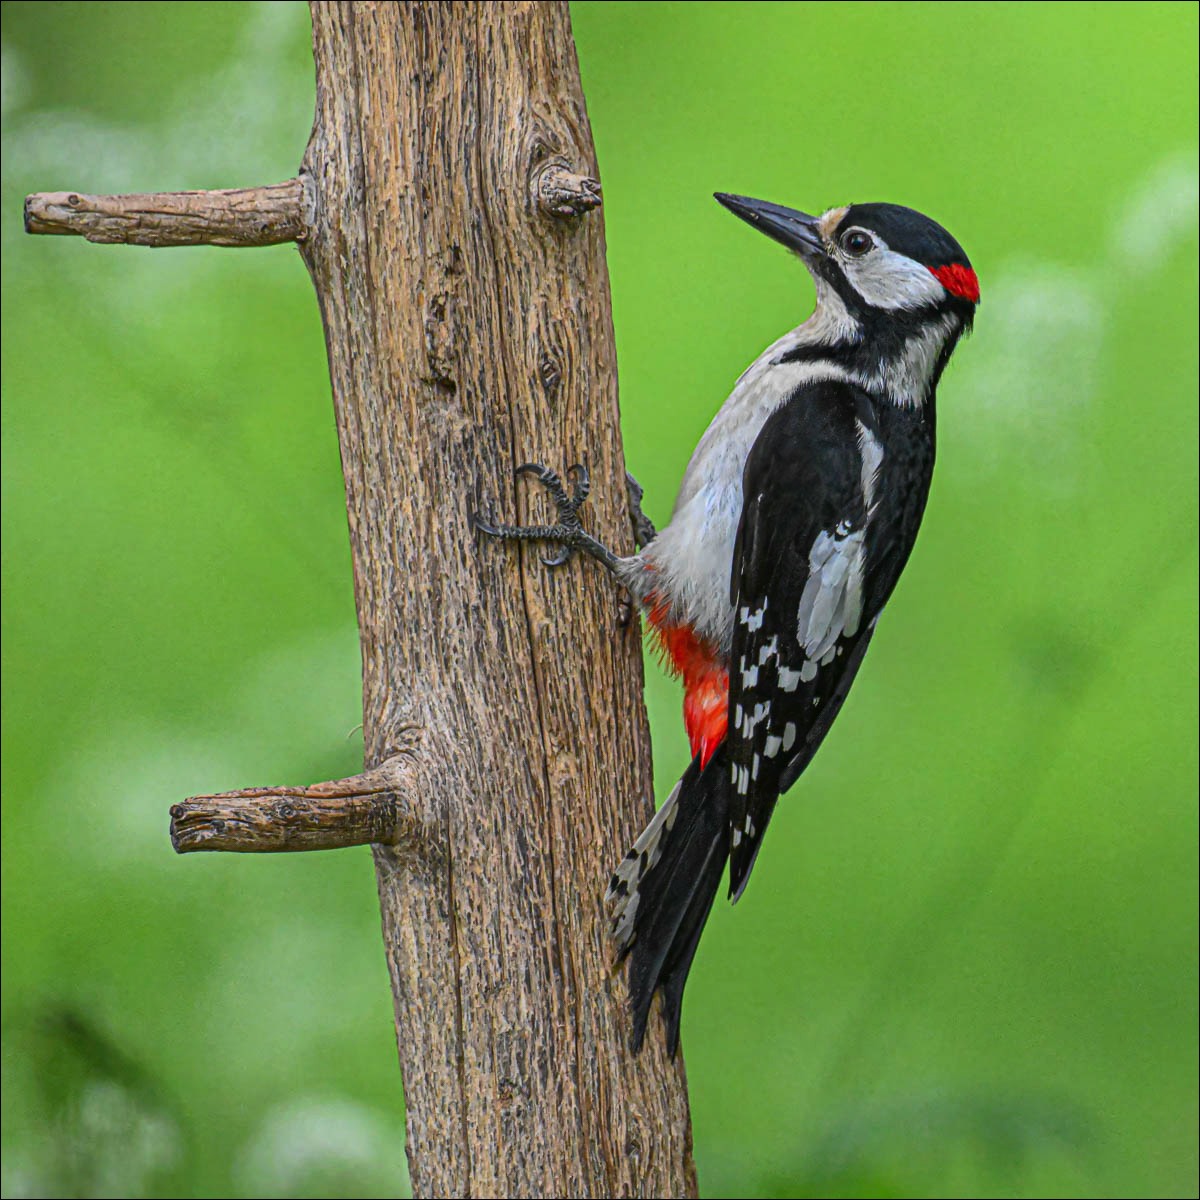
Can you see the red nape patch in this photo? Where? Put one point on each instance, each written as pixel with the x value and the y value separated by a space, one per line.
pixel 705 680
pixel 958 281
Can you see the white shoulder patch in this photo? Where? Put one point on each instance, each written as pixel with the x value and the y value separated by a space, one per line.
pixel 871 449
pixel 832 602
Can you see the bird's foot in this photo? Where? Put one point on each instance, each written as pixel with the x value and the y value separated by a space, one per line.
pixel 643 528
pixel 569 533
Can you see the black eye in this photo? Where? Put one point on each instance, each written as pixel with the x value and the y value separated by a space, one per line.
pixel 856 242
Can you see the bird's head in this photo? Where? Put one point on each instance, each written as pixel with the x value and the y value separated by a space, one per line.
pixel 878 258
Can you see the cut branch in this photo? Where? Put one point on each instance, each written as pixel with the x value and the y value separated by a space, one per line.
pixel 366 809
pixel 260 216
pixel 563 193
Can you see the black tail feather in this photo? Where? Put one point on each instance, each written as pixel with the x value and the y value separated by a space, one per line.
pixel 675 971
pixel 676 895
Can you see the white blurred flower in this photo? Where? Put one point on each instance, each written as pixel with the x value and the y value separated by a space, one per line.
pixel 1161 213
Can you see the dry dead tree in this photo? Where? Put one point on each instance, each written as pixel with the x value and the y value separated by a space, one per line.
pixel 445 209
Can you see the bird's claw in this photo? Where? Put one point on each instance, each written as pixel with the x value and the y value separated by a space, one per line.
pixel 568 532
pixel 644 531
pixel 567 504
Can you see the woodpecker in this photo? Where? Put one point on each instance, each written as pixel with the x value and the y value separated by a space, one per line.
pixel 796 515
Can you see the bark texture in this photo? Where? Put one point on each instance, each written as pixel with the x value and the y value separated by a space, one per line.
pixel 468 325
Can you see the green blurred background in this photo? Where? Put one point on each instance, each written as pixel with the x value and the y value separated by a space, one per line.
pixel 968 962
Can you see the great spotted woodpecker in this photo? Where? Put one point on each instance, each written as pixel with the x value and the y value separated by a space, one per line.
pixel 796 515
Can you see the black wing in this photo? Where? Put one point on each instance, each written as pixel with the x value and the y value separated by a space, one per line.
pixel 800 592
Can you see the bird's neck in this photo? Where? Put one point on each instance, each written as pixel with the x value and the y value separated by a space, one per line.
pixel 898 357
pixel 908 370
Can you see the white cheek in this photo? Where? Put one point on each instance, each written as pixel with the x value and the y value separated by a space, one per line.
pixel 886 279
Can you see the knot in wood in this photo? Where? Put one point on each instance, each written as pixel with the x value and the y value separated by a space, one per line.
pixel 550 371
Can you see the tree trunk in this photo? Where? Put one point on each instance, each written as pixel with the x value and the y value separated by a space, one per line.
pixel 469 331
pixel 440 210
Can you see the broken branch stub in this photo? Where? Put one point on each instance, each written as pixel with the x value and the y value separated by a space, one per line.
pixel 373 808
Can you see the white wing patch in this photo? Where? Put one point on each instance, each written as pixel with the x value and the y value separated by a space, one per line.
pixel 832 602
pixel 871 450
pixel 622 891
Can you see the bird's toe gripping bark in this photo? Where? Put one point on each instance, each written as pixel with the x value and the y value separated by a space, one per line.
pixel 569 532
pixel 643 528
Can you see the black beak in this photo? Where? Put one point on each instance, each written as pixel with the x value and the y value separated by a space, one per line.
pixel 796 230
